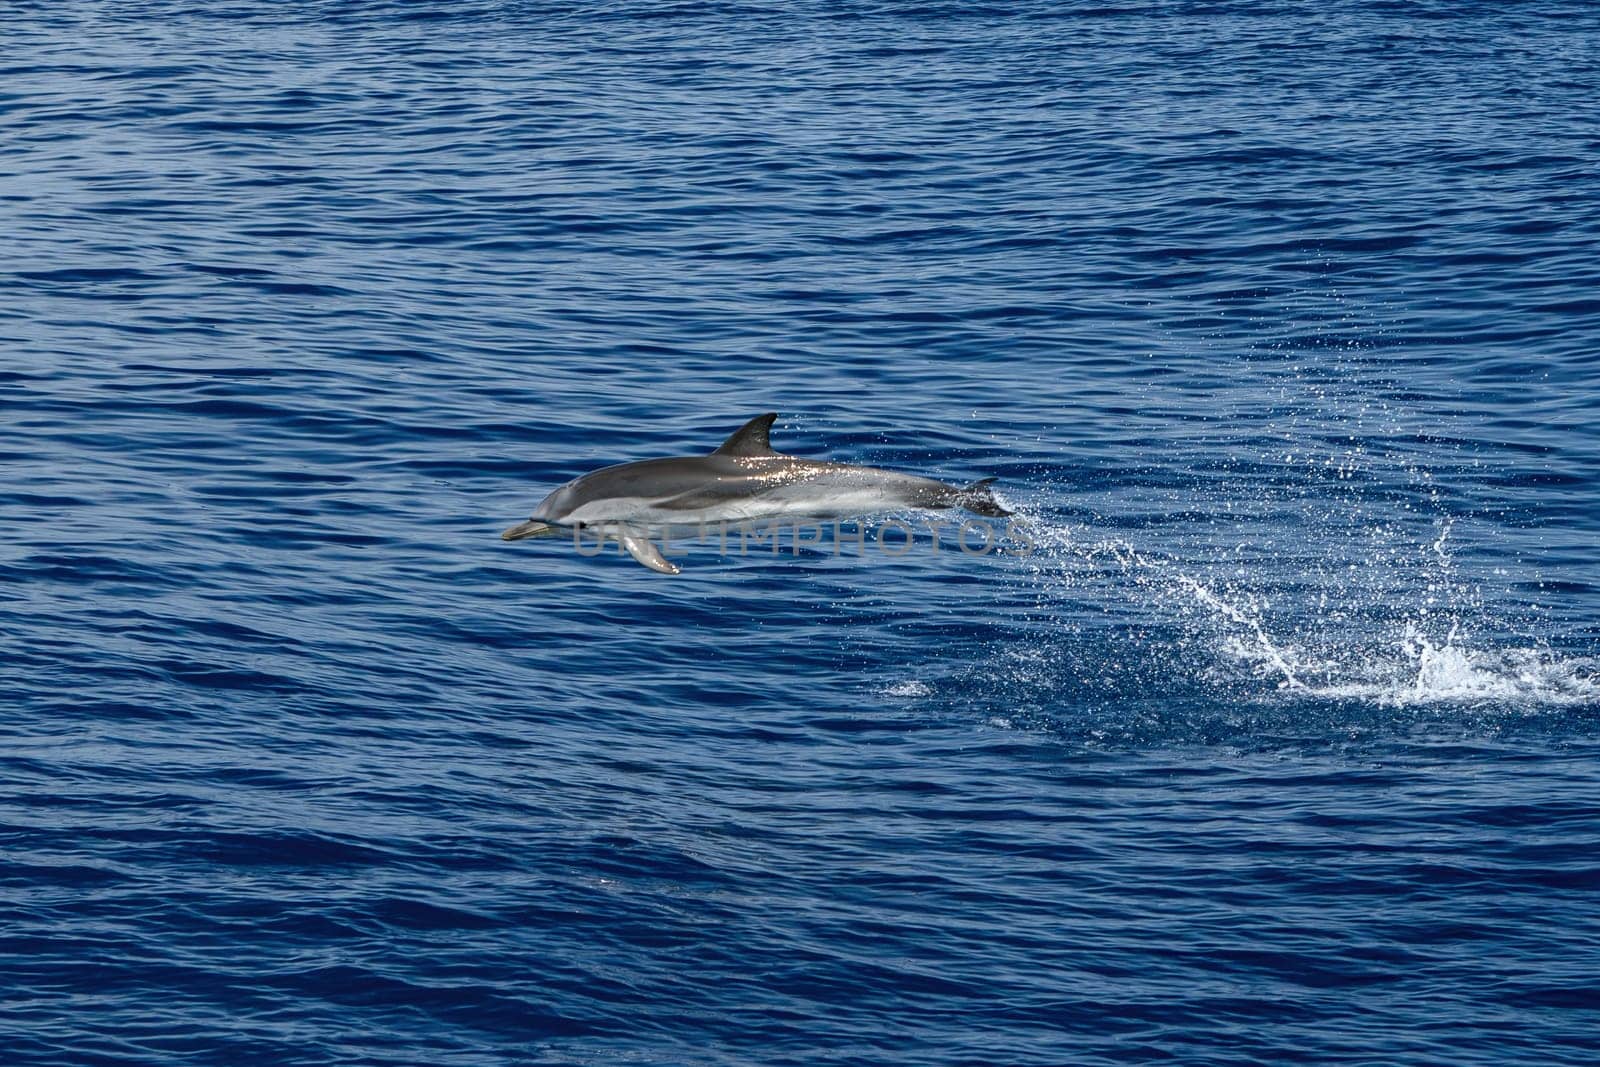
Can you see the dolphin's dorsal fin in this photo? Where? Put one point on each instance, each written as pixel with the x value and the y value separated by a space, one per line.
pixel 750 439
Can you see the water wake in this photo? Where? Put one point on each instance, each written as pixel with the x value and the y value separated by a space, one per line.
pixel 1397 648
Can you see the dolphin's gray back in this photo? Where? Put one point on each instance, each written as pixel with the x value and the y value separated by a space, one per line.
pixel 657 478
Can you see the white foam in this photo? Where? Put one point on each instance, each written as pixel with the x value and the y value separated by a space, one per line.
pixel 1338 653
pixel 1450 673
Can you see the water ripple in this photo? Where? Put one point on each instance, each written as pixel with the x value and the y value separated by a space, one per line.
pixel 1276 325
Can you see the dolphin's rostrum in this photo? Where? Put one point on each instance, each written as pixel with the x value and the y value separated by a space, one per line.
pixel 743 481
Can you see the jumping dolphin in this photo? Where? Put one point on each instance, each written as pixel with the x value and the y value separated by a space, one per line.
pixel 742 481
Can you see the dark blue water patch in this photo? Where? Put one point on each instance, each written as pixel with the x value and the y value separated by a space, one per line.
pixel 1276 325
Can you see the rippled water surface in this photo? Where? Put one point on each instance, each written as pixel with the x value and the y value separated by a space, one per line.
pixel 1276 741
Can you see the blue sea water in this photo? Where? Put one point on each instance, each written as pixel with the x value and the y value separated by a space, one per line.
pixel 1277 323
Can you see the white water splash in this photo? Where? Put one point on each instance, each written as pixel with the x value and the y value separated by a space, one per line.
pixel 1449 672
pixel 1396 664
pixel 909 688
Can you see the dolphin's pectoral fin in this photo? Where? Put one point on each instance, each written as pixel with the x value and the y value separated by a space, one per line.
pixel 750 439
pixel 639 546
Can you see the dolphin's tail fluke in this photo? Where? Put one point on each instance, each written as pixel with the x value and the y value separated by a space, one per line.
pixel 979 499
